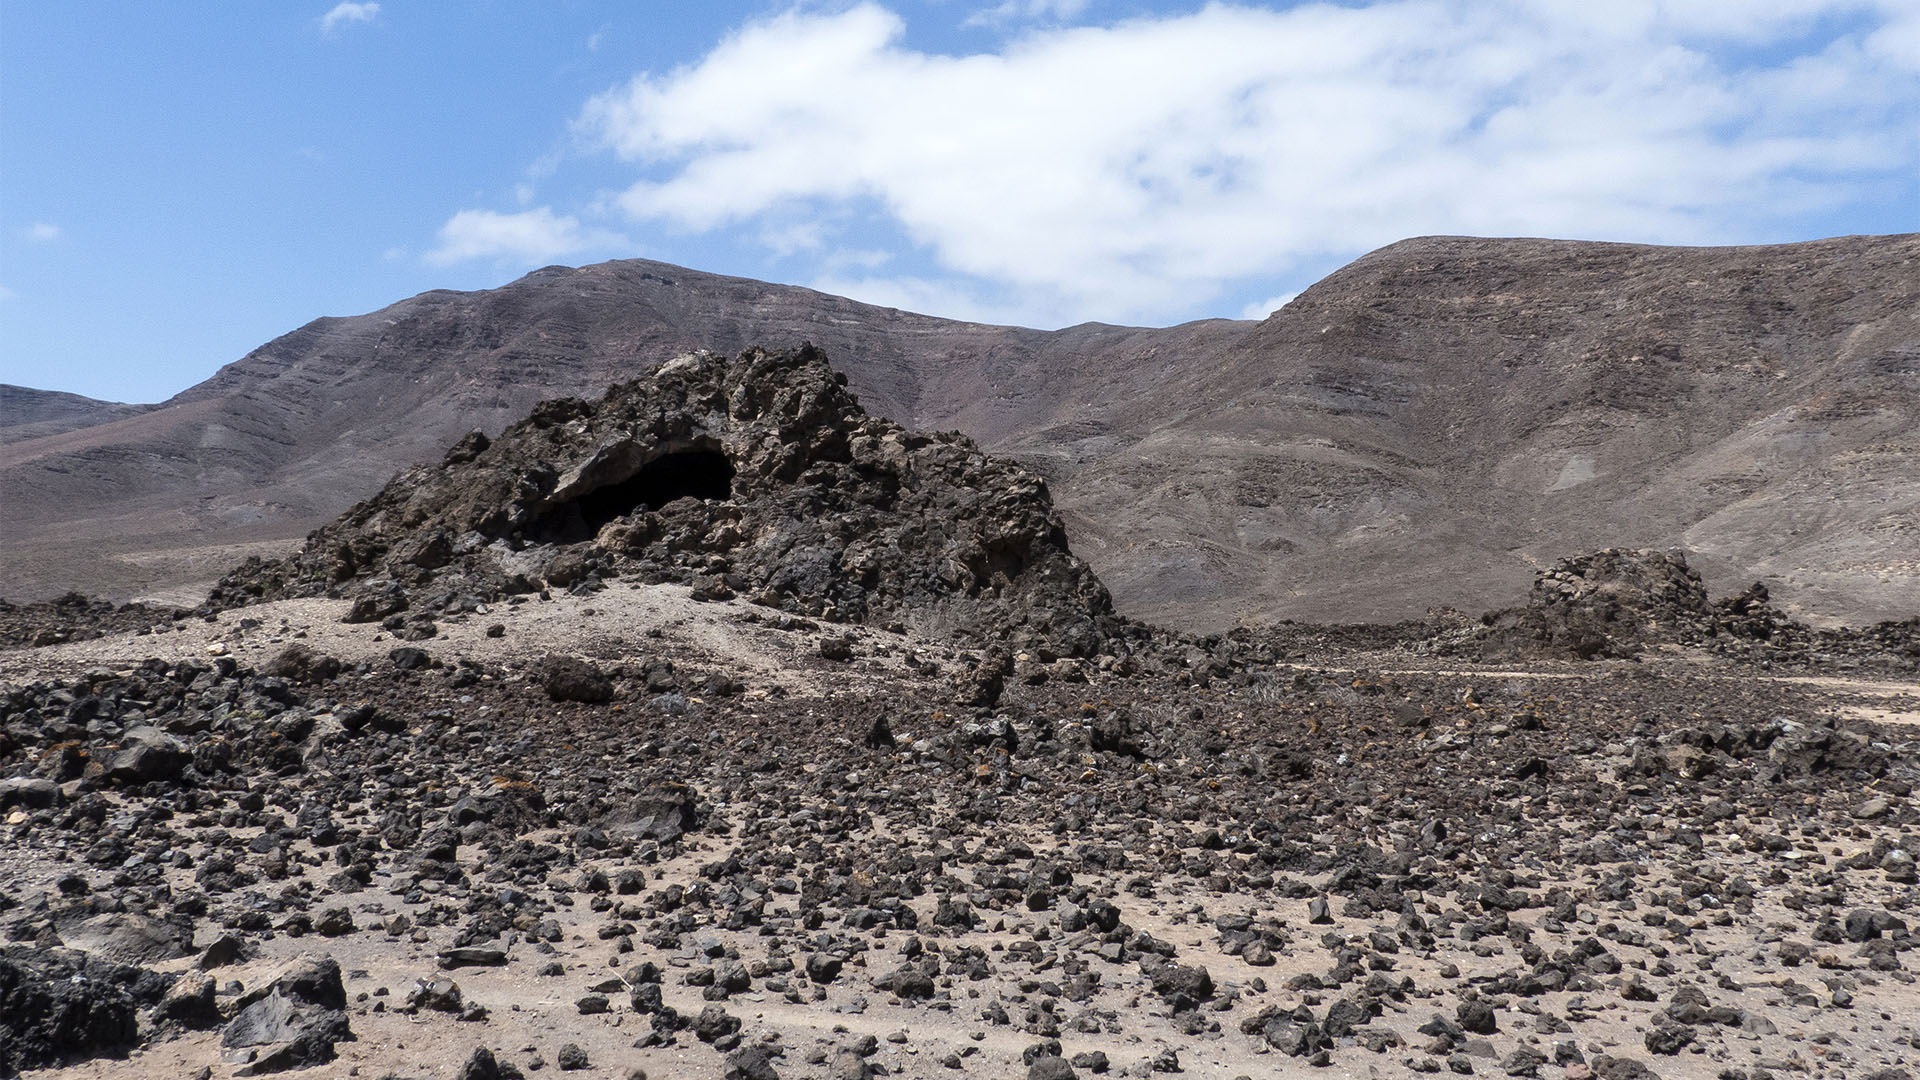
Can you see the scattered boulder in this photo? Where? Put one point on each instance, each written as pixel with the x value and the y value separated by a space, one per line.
pixel 292 1023
pixel 147 755
pixel 567 678
pixel 482 1065
pixel 190 1003
pixel 300 664
pixel 28 792
pixel 663 812
pixel 128 938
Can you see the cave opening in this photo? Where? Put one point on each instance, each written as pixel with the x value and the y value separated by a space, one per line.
pixel 695 473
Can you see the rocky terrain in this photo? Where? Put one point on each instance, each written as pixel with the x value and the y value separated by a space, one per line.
pixel 600 749
pixel 1426 427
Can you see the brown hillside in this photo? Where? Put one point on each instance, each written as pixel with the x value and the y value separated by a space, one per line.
pixel 1425 426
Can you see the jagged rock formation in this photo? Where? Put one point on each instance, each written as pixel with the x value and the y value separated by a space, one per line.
pixel 65 1006
pixel 759 475
pixel 1607 603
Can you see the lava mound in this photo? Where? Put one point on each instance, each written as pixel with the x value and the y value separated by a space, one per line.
pixel 1615 603
pixel 758 475
pixel 1608 604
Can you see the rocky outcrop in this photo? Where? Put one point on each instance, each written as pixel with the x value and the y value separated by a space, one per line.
pixel 1608 603
pixel 1617 602
pixel 758 476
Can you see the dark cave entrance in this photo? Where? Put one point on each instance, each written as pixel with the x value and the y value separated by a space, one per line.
pixel 701 474
pixel 695 473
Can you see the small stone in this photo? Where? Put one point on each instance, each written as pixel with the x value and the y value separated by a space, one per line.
pixel 438 993
pixel 1477 1017
pixel 482 1065
pixel 334 922
pixel 1050 1067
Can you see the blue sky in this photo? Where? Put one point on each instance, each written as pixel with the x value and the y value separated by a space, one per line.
pixel 180 183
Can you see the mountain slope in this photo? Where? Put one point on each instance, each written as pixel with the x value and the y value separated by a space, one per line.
pixel 1440 416
pixel 1425 426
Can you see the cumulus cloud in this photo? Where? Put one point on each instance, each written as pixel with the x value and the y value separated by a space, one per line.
pixel 531 236
pixel 43 232
pixel 347 13
pixel 1128 171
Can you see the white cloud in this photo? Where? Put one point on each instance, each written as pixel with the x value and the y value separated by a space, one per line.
pixel 346 13
pixel 909 293
pixel 43 232
pixel 1267 307
pixel 528 237
pixel 1129 171
pixel 789 238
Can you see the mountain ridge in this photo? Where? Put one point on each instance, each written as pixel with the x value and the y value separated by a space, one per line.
pixel 27 413
pixel 1425 426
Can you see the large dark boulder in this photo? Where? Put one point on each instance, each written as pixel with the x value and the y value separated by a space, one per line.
pixel 56 1009
pixel 568 678
pixel 291 1023
pixel 298 663
pixel 662 811
pixel 146 755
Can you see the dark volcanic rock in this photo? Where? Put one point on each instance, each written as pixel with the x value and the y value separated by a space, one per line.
pixel 1616 602
pixel 567 678
pixel 762 469
pixel 663 812
pixel 51 1012
pixel 292 1023
pixel 484 1066
pixel 1607 603
pixel 31 792
pixel 131 939
pixel 300 664
pixel 147 755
